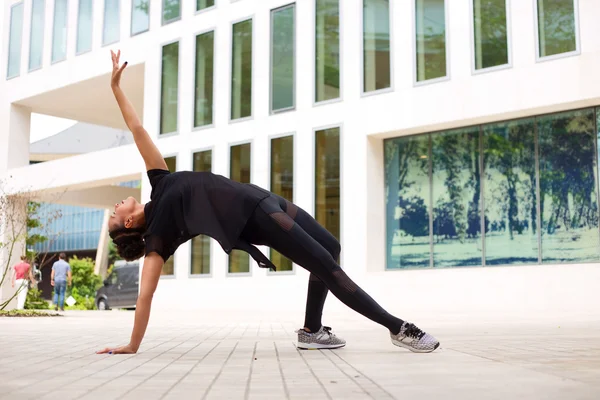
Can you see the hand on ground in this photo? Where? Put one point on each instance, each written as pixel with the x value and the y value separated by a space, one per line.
pixel 118 350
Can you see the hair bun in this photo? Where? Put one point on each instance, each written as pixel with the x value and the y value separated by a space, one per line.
pixel 130 243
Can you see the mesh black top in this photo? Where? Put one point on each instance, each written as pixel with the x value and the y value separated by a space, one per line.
pixel 186 204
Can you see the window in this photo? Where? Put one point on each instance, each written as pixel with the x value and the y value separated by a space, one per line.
pixel 204 4
pixel 112 22
pixel 36 41
pixel 327 179
pixel 84 26
pixel 327 50
pixel 59 31
pixel 239 170
pixel 431 39
pixel 376 45
pixel 203 101
pixel 201 243
pixel 557 27
pixel 140 16
pixel 283 58
pixel 169 266
pixel 241 70
pixel 171 11
pixel 282 184
pixel 536 182
pixel 490 33
pixel 169 90
pixel 14 45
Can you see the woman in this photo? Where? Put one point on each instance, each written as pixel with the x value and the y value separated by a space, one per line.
pixel 21 274
pixel 186 204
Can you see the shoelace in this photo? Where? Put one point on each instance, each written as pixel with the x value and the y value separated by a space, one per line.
pixel 413 332
pixel 327 330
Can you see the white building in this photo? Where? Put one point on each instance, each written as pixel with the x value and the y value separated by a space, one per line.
pixel 302 97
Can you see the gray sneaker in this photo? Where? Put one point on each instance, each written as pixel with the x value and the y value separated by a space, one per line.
pixel 323 339
pixel 412 338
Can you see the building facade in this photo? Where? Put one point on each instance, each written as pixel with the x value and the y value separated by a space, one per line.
pixel 427 135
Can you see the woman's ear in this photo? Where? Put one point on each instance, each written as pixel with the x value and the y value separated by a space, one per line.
pixel 129 222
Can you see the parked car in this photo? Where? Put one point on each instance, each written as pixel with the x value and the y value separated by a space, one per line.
pixel 120 288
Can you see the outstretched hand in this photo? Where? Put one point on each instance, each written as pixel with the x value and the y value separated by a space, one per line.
pixel 118 350
pixel 117 69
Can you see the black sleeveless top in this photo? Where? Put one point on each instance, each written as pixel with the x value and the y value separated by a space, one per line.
pixel 187 204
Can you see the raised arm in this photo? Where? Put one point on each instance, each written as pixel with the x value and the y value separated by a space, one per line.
pixel 145 145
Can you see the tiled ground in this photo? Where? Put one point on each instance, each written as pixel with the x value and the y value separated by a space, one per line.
pixel 204 355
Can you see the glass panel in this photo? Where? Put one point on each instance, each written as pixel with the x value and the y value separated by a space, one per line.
pixel 169 266
pixel 112 26
pixel 84 26
pixel 171 11
pixel 568 187
pixel 14 45
pixel 327 50
pixel 456 204
pixel 556 25
pixel 241 70
pixel 282 58
pixel 282 184
pixel 201 244
pixel 203 102
pixel 36 43
pixel 202 4
pixel 510 193
pixel 171 163
pixel 327 180
pixel 489 27
pixel 140 16
pixel 59 31
pixel 431 39
pixel 239 170
pixel 376 45
pixel 169 88
pixel 408 202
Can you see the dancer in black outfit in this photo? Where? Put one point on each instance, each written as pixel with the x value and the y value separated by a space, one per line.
pixel 186 204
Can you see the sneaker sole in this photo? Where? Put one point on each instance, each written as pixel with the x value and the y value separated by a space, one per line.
pixel 400 344
pixel 317 346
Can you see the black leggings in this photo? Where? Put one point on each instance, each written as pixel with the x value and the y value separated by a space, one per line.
pixel 291 231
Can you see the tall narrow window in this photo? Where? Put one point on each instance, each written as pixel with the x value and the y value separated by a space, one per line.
pixel 376 45
pixel 241 70
pixel 490 33
pixel 282 184
pixel 204 4
pixel 59 31
pixel 327 50
pixel 556 27
pixel 111 32
pixel 169 88
pixel 36 41
pixel 201 243
pixel 431 39
pixel 169 266
pixel 327 180
pixel 171 11
pixel 283 58
pixel 14 44
pixel 239 170
pixel 203 101
pixel 84 26
pixel 140 16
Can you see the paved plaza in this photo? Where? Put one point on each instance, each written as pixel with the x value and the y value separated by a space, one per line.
pixel 210 355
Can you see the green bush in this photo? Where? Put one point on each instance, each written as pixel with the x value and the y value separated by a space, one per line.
pixel 84 285
pixel 35 301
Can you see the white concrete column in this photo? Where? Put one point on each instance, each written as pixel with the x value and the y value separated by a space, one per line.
pixel 101 265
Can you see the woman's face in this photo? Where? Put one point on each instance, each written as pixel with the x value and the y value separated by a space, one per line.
pixel 123 214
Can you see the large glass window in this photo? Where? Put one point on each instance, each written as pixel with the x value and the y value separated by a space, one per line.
pixel 282 184
pixel 557 31
pixel 241 70
pixel 169 88
pixel 140 16
pixel 203 101
pixel 14 44
pixel 111 31
pixel 376 45
pixel 204 4
pixel 171 11
pixel 36 41
pixel 327 179
pixel 327 50
pixel 59 31
pixel 490 33
pixel 201 243
pixel 84 26
pixel 169 266
pixel 283 58
pixel 239 170
pixel 431 39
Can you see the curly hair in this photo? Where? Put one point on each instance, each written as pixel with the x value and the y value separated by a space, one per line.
pixel 130 242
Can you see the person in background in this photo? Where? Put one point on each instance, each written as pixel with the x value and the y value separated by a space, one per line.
pixel 61 276
pixel 21 272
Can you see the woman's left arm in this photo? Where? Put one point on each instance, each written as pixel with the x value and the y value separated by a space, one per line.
pixel 153 264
